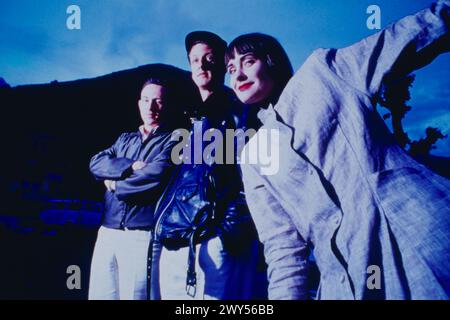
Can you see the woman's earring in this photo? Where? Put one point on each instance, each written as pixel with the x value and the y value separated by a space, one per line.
pixel 269 62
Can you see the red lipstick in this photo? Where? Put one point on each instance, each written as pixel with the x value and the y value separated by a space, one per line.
pixel 245 86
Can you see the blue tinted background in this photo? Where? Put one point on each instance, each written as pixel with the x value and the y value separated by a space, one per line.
pixel 36 46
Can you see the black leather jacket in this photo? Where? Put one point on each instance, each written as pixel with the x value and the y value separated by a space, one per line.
pixel 218 191
pixel 215 188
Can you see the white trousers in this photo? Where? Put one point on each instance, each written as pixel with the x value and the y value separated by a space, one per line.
pixel 119 265
pixel 220 275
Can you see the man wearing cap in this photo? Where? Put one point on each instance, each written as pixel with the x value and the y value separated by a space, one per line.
pixel 220 258
pixel 134 170
pixel 206 52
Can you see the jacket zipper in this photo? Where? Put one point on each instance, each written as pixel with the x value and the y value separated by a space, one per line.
pixel 122 221
pixel 150 264
pixel 153 235
pixel 169 185
pixel 163 214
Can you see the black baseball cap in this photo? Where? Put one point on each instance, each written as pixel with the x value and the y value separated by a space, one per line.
pixel 211 39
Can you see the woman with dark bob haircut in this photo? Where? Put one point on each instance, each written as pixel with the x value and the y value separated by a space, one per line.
pixel 270 52
pixel 378 220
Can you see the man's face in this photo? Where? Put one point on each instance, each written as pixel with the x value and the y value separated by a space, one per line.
pixel 203 65
pixel 151 104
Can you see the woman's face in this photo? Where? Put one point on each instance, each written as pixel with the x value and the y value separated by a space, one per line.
pixel 249 78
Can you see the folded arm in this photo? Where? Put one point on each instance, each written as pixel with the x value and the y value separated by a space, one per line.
pixel 143 182
pixel 105 165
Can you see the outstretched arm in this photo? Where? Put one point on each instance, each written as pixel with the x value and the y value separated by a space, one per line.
pixel 404 46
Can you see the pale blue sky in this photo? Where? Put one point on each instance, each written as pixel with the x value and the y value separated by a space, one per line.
pixel 36 46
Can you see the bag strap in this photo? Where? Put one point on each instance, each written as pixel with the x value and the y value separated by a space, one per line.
pixel 207 187
pixel 191 278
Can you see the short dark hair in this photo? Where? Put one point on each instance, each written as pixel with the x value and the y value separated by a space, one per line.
pixel 158 81
pixel 270 51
